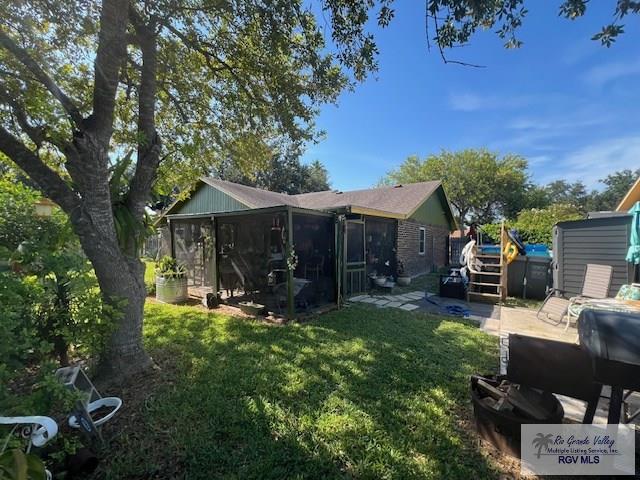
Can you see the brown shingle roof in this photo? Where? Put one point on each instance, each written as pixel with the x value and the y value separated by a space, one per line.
pixel 399 199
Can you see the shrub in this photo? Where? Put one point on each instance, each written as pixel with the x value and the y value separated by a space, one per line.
pixel 151 287
pixel 170 268
pixel 535 225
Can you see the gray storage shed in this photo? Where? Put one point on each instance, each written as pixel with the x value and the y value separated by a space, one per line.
pixel 603 240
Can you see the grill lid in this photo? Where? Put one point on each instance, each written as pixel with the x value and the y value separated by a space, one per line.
pixel 608 335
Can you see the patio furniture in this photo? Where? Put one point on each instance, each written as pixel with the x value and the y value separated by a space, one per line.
pixel 612 341
pixel 597 280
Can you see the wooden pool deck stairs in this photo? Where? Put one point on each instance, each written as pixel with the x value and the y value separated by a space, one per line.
pixel 490 283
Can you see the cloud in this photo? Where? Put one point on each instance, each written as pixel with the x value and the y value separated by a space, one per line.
pixel 538 160
pixel 595 161
pixel 608 72
pixel 564 123
pixel 471 102
pixel 551 132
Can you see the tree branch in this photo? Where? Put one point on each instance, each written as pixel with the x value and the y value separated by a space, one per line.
pixel 112 50
pixel 50 182
pixel 149 141
pixel 36 134
pixel 23 56
pixel 441 50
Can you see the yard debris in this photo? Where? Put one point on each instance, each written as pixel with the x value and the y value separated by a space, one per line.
pixel 508 396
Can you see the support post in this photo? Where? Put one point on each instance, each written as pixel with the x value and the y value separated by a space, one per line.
pixel 214 258
pixel 504 270
pixel 288 252
pixel 172 237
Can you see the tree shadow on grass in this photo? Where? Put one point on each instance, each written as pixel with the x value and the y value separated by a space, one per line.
pixel 360 392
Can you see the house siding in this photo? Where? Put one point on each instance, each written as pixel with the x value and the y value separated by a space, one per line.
pixel 433 211
pixel 408 246
pixel 208 199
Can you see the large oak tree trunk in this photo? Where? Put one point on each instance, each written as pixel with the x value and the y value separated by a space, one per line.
pixel 120 273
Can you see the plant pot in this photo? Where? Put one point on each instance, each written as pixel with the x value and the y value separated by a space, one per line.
pixel 380 281
pixel 404 281
pixel 171 290
pixel 251 308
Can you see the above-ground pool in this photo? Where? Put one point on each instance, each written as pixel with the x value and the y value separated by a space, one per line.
pixel 532 249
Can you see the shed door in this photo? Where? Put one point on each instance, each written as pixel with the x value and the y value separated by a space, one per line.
pixel 355 264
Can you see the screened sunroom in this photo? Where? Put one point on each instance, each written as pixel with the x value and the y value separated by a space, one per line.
pixel 281 257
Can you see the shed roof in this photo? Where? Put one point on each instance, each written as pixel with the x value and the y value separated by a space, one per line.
pixel 632 196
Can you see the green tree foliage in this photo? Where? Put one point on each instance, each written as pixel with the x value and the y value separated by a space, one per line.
pixel 455 21
pixel 481 185
pixel 616 186
pixel 561 191
pixel 18 221
pixel 535 225
pixel 49 301
pixel 283 174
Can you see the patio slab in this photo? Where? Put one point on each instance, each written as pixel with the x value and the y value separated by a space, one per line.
pixel 404 298
pixel 415 295
pixel 525 322
pixel 368 300
pixel 408 307
pixel 358 298
pixel 394 304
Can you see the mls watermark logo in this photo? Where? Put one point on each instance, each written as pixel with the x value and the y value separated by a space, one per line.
pixel 577 449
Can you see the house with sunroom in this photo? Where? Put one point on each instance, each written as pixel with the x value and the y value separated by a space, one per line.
pixel 298 252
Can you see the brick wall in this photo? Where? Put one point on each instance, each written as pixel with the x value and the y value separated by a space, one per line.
pixel 408 241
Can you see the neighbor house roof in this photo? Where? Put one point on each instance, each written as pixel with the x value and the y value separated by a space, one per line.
pixel 632 196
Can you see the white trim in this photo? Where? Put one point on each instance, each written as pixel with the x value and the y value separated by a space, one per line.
pixel 422 239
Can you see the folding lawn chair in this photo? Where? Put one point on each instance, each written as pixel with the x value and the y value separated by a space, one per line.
pixel 597 280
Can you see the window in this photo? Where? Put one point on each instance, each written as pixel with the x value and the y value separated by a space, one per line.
pixel 422 240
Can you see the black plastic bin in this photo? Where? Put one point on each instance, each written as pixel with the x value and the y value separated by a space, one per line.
pixel 529 277
pixel 452 286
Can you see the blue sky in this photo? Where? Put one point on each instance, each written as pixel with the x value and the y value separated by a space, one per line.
pixel 567 104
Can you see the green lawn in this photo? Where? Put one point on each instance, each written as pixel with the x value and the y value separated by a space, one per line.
pixel 427 282
pixel 357 393
pixel 150 271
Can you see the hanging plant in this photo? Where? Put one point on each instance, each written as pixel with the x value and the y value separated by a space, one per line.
pixel 292 259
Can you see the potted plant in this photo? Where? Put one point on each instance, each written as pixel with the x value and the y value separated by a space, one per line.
pixel 171 281
pixel 403 278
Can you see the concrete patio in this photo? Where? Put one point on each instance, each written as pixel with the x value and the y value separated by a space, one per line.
pixel 525 322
